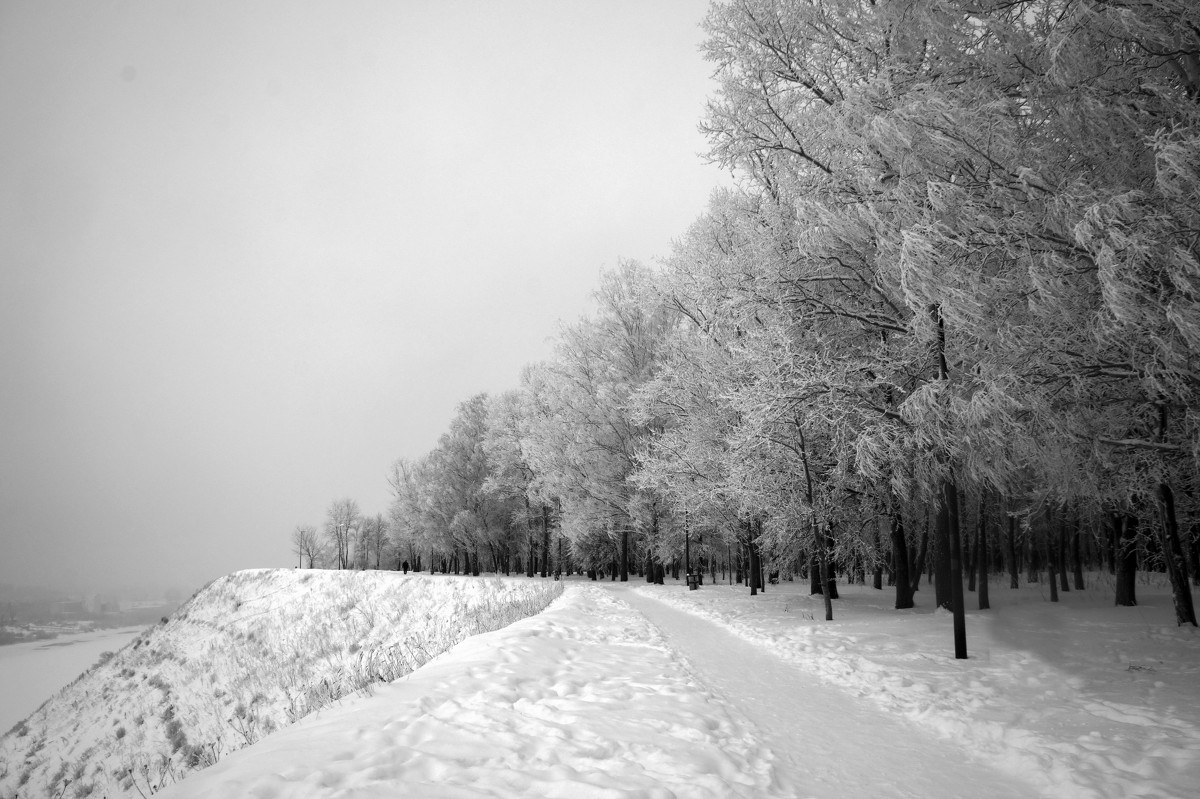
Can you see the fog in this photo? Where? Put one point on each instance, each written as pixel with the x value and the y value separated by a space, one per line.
pixel 30 673
pixel 252 254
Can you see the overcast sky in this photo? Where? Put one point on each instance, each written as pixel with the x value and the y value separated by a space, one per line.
pixel 252 253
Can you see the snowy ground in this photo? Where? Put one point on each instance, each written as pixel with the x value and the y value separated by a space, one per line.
pixel 613 691
pixel 249 654
pixel 30 672
pixel 1079 698
pixel 584 700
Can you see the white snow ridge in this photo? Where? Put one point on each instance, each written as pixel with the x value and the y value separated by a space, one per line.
pixel 622 690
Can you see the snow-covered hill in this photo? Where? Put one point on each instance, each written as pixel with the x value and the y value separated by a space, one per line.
pixel 622 690
pixel 252 652
pixel 629 690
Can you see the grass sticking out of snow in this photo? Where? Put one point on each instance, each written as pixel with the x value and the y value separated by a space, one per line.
pixel 251 653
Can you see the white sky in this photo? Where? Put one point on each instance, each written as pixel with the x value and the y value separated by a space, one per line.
pixel 251 253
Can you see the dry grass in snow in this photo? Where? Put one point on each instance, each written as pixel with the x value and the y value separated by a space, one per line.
pixel 249 654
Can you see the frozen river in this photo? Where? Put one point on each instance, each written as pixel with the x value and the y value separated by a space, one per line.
pixel 31 673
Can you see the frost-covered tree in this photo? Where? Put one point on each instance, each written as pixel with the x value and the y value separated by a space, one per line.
pixel 342 522
pixel 513 482
pixel 306 544
pixel 583 441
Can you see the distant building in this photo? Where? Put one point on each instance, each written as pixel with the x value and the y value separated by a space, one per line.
pixel 69 607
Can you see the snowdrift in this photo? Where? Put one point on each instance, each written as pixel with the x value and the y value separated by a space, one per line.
pixel 252 652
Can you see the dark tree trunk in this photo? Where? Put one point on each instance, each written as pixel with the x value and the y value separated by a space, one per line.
pixel 958 607
pixel 1035 556
pixel 545 541
pixel 1063 546
pixel 1181 592
pixel 1112 542
pixel 531 562
pixel 826 577
pixel 753 558
pixel 831 589
pixel 687 548
pixel 922 556
pixel 624 556
pixel 814 572
pixel 1077 554
pixel 1051 562
pixel 1193 552
pixel 981 557
pixel 877 579
pixel 762 567
pixel 970 556
pixel 1125 529
pixel 904 589
pixel 941 579
pixel 1014 568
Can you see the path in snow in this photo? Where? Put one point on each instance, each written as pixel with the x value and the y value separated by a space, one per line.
pixel 825 741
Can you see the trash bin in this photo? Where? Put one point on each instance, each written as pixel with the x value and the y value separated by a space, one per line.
pixel 693 581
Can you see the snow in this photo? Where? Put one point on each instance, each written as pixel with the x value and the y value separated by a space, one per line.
pixel 1080 698
pixel 584 700
pixel 249 654
pixel 819 733
pixel 657 691
pixel 635 690
pixel 33 670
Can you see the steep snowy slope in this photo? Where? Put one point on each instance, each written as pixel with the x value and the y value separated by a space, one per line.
pixel 249 654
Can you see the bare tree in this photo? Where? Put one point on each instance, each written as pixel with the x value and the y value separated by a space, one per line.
pixel 306 544
pixel 342 522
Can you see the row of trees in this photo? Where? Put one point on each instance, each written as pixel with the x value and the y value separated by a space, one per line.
pixel 347 540
pixel 949 318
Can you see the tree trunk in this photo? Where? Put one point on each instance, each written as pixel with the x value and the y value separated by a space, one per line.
pixel 904 588
pixel 753 559
pixel 981 557
pixel 1063 546
pixel 877 579
pixel 687 548
pixel 545 541
pixel 625 555
pixel 941 556
pixel 942 593
pixel 1193 551
pixel 922 556
pixel 831 589
pixel 1125 533
pixel 1112 541
pixel 950 499
pixel 1077 554
pixel 970 556
pixel 1181 592
pixel 826 577
pixel 1014 568
pixel 1051 562
pixel 530 563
